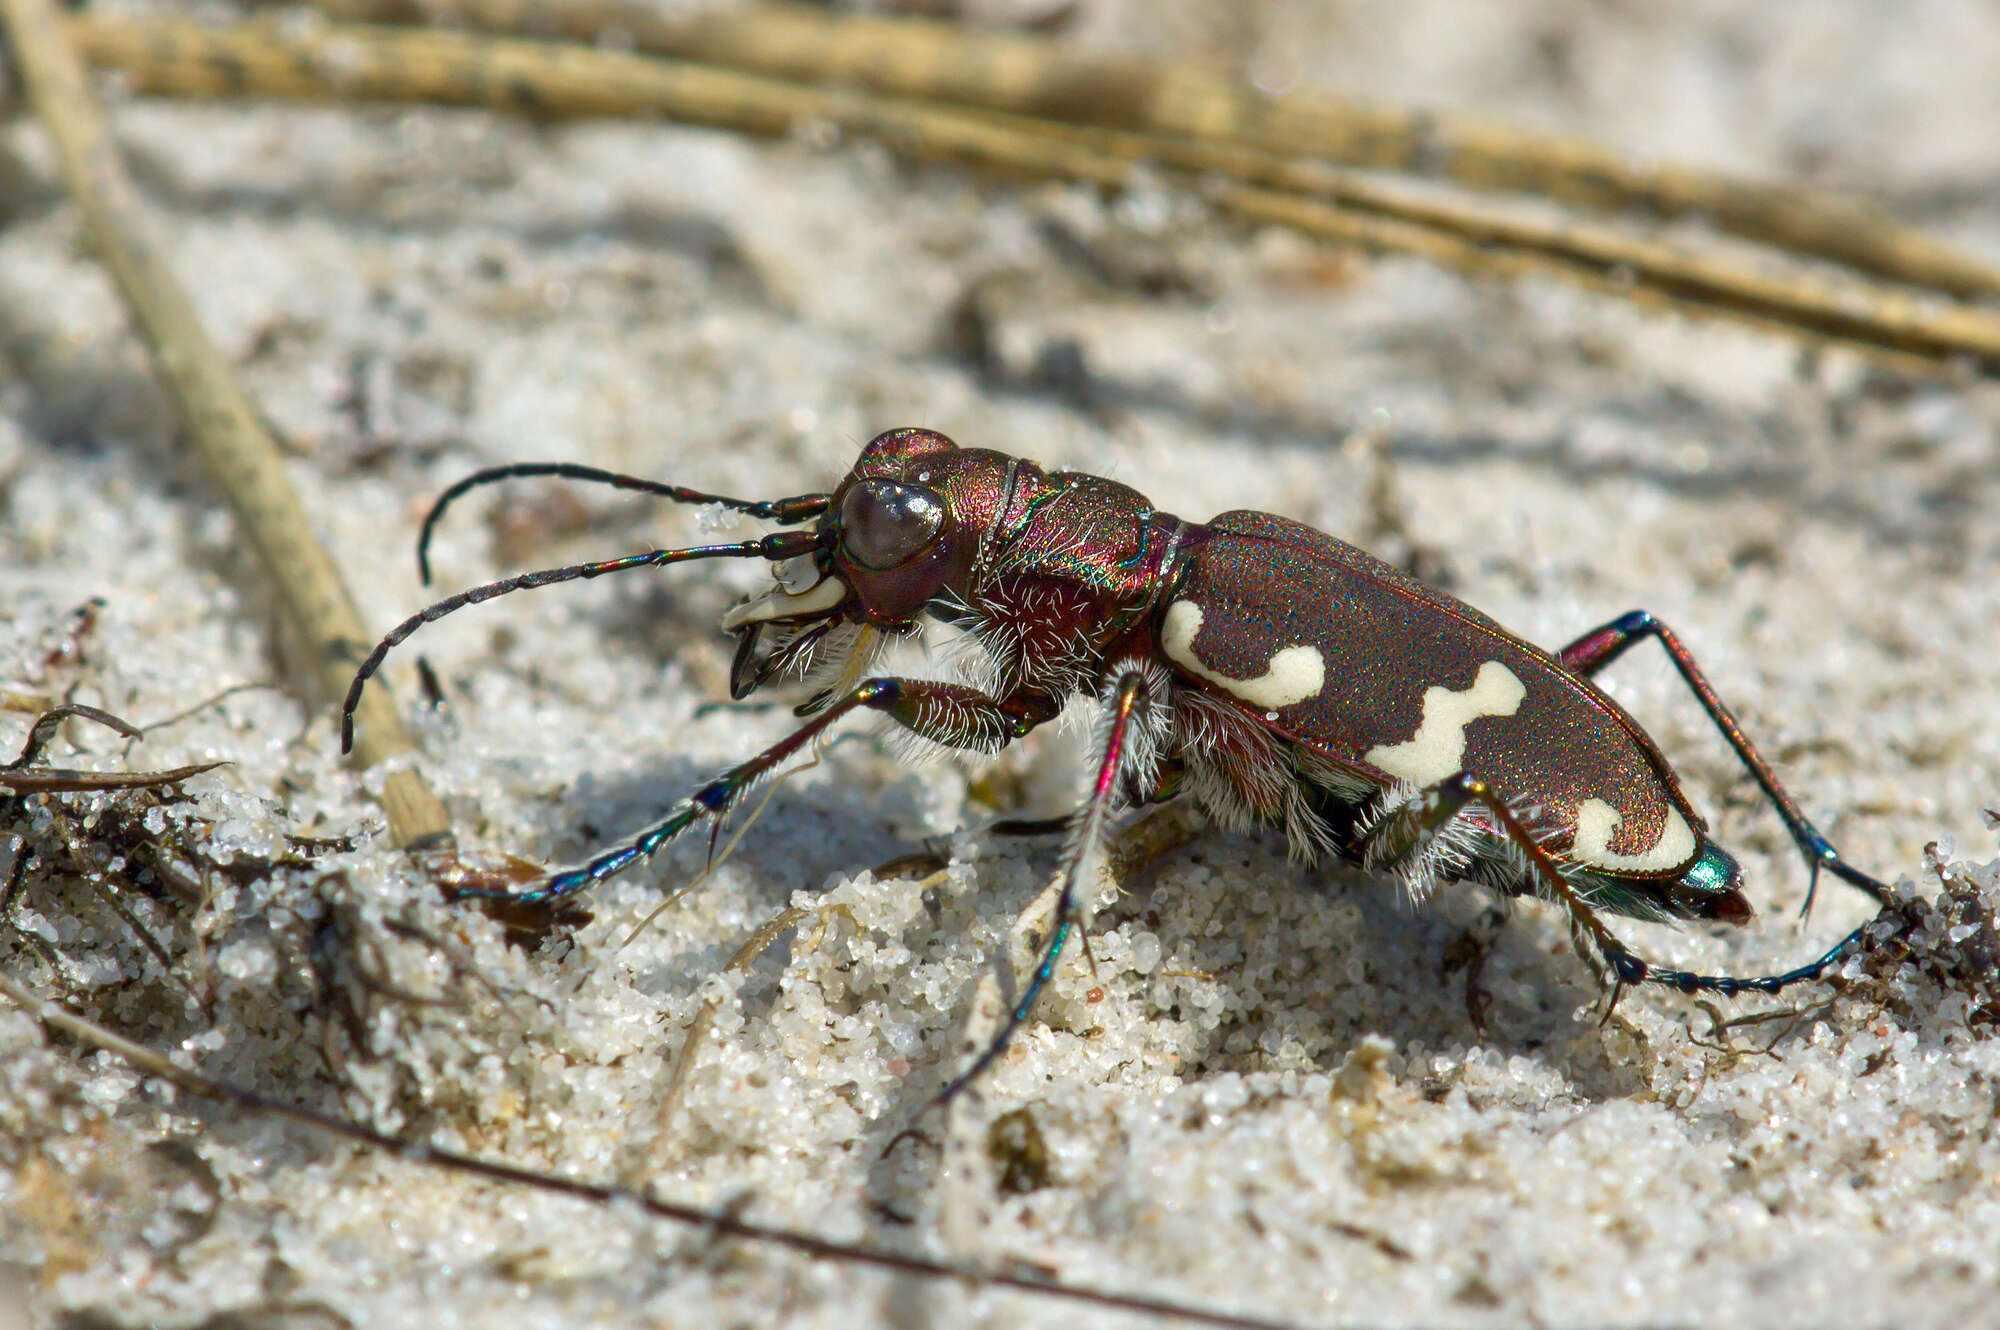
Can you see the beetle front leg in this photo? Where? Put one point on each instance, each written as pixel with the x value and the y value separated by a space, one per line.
pixel 1599 647
pixel 952 714
pixel 1421 820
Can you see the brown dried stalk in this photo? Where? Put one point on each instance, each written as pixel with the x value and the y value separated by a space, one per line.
pixel 1035 76
pixel 339 62
pixel 220 423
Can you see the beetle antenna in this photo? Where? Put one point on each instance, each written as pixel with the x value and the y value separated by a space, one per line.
pixel 777 547
pixel 785 512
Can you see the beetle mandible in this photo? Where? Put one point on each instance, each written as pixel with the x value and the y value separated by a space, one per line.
pixel 1265 669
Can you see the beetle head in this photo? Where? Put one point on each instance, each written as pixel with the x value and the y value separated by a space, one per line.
pixel 888 543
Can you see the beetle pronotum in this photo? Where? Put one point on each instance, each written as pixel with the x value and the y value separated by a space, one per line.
pixel 1250 662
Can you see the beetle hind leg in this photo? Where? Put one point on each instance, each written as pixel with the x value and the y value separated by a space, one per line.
pixel 1434 809
pixel 1599 647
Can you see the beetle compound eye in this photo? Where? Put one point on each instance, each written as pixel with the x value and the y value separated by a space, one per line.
pixel 884 525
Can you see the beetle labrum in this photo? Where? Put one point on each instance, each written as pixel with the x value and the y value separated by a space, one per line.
pixel 1268 671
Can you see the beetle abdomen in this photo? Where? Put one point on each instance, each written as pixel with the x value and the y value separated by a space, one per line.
pixel 1374 671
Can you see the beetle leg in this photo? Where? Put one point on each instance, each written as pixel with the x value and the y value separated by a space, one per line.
pixel 948 713
pixel 1121 749
pixel 1599 647
pixel 1435 808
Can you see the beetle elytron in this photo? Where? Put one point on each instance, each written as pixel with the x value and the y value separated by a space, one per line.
pixel 1265 669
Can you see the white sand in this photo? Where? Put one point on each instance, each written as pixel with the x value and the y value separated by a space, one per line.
pixel 412 295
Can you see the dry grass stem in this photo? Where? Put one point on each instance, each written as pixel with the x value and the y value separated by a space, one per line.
pixel 1040 77
pixel 338 62
pixel 219 421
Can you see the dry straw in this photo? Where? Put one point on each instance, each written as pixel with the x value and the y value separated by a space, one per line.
pixel 219 421
pixel 1265 159
pixel 1033 76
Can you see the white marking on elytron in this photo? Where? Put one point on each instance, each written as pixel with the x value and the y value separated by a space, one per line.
pixel 1437 749
pixel 1293 675
pixel 1597 820
pixel 781 602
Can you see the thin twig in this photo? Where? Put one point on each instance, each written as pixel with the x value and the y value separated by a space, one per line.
pixel 1901 330
pixel 43 732
pixel 21 776
pixel 723 1222
pixel 219 420
pixel 704 1018
pixel 335 62
pixel 62 780
pixel 1039 77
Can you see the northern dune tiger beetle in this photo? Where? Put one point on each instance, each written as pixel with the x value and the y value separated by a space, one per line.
pixel 1270 672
